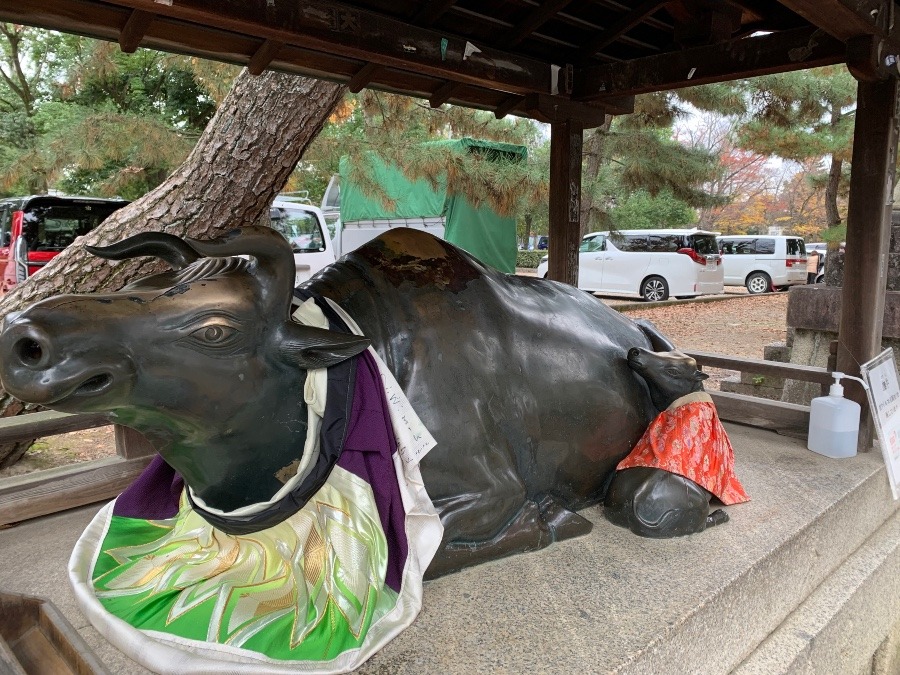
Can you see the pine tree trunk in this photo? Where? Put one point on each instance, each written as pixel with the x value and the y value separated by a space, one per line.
pixel 832 215
pixel 239 164
pixel 594 154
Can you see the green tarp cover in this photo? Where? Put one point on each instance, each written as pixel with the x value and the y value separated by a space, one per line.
pixel 488 236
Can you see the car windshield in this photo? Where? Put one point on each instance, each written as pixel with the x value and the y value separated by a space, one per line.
pixel 300 227
pixel 52 227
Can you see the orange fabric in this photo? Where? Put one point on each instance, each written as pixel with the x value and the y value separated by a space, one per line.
pixel 688 439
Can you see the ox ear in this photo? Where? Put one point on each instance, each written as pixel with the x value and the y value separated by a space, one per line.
pixel 312 348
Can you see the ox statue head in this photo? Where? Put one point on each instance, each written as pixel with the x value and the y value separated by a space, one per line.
pixel 203 359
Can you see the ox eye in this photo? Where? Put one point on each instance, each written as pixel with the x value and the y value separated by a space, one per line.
pixel 216 339
pixel 214 334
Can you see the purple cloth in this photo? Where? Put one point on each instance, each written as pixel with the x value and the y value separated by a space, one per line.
pixel 368 448
pixel 154 495
pixel 367 453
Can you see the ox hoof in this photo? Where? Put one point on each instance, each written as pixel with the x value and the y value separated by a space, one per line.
pixel 563 524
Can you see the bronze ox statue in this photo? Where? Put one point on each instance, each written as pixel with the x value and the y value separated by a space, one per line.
pixel 524 383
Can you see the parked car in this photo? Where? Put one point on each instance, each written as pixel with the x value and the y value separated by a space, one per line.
pixel 763 263
pixel 303 225
pixel 33 230
pixel 651 263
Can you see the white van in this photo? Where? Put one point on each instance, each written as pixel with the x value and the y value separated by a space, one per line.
pixel 303 225
pixel 651 263
pixel 763 263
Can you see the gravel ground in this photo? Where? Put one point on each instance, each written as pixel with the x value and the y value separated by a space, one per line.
pixel 740 326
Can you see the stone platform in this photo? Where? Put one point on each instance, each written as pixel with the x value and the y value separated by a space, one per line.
pixel 804 579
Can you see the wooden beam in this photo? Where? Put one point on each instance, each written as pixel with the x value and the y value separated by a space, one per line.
pixel 777 52
pixel 871 58
pixel 789 419
pixel 565 201
pixel 431 12
pixel 507 106
pixel 551 109
pixel 620 27
pixel 533 21
pixel 134 30
pixel 868 231
pixel 347 31
pixel 845 19
pixel 362 77
pixel 39 494
pixel 263 56
pixel 791 371
pixel 47 423
pixel 442 94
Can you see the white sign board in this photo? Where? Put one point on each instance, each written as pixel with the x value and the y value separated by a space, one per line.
pixel 884 398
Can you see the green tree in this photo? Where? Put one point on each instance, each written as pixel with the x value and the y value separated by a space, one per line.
pixel 637 153
pixel 804 115
pixel 85 118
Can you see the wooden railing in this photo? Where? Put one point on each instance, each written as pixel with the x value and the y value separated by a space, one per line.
pixel 790 419
pixel 52 490
pixel 44 492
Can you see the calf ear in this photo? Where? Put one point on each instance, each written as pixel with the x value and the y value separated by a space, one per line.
pixel 312 348
pixel 700 376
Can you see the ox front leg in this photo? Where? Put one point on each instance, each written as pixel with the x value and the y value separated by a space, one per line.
pixel 535 525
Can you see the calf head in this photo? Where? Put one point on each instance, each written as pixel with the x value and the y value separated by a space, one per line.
pixel 669 375
pixel 204 358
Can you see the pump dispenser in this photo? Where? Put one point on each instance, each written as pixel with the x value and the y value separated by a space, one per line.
pixel 833 423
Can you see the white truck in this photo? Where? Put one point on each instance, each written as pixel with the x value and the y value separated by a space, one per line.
pixel 303 225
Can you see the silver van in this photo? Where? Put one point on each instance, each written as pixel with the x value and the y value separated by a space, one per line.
pixel 763 263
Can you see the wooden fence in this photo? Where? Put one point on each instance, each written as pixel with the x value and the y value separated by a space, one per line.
pixel 44 492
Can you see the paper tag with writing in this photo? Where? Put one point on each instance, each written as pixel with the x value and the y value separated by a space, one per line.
pixel 413 439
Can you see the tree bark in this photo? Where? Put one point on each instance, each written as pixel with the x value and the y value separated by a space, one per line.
pixel 832 215
pixel 595 158
pixel 241 161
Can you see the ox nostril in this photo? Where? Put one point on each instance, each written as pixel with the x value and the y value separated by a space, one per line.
pixel 30 352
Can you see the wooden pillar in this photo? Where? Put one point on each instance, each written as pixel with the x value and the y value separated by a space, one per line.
pixel 868 231
pixel 565 200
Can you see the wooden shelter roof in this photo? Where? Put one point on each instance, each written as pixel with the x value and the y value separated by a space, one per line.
pixel 551 60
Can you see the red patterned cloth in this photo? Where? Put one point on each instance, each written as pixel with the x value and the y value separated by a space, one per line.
pixel 687 438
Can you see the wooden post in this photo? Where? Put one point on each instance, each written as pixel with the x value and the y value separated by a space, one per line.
pixel 565 200
pixel 868 234
pixel 131 443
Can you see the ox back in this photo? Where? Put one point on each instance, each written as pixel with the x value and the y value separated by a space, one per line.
pixel 524 384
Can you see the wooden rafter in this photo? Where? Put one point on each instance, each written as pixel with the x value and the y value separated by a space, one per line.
pixel 749 57
pixel 534 20
pixel 620 27
pixel 264 56
pixel 845 19
pixel 134 30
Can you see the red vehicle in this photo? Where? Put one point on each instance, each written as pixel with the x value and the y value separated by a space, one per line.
pixel 33 230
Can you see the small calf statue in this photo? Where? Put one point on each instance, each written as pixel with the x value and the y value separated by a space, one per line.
pixel 664 486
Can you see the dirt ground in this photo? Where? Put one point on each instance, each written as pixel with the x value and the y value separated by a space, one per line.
pixel 740 326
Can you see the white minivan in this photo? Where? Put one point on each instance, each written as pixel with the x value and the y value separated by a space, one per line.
pixel 651 263
pixel 303 225
pixel 763 263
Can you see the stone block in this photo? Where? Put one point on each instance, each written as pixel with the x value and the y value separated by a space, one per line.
pixel 777 351
pixel 750 388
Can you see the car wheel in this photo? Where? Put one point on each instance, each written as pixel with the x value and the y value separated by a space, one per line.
pixel 820 279
pixel 654 289
pixel 759 282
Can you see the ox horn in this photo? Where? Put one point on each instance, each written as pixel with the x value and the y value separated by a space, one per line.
pixel 173 250
pixel 275 265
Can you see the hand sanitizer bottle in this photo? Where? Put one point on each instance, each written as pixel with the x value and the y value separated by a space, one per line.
pixel 833 423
